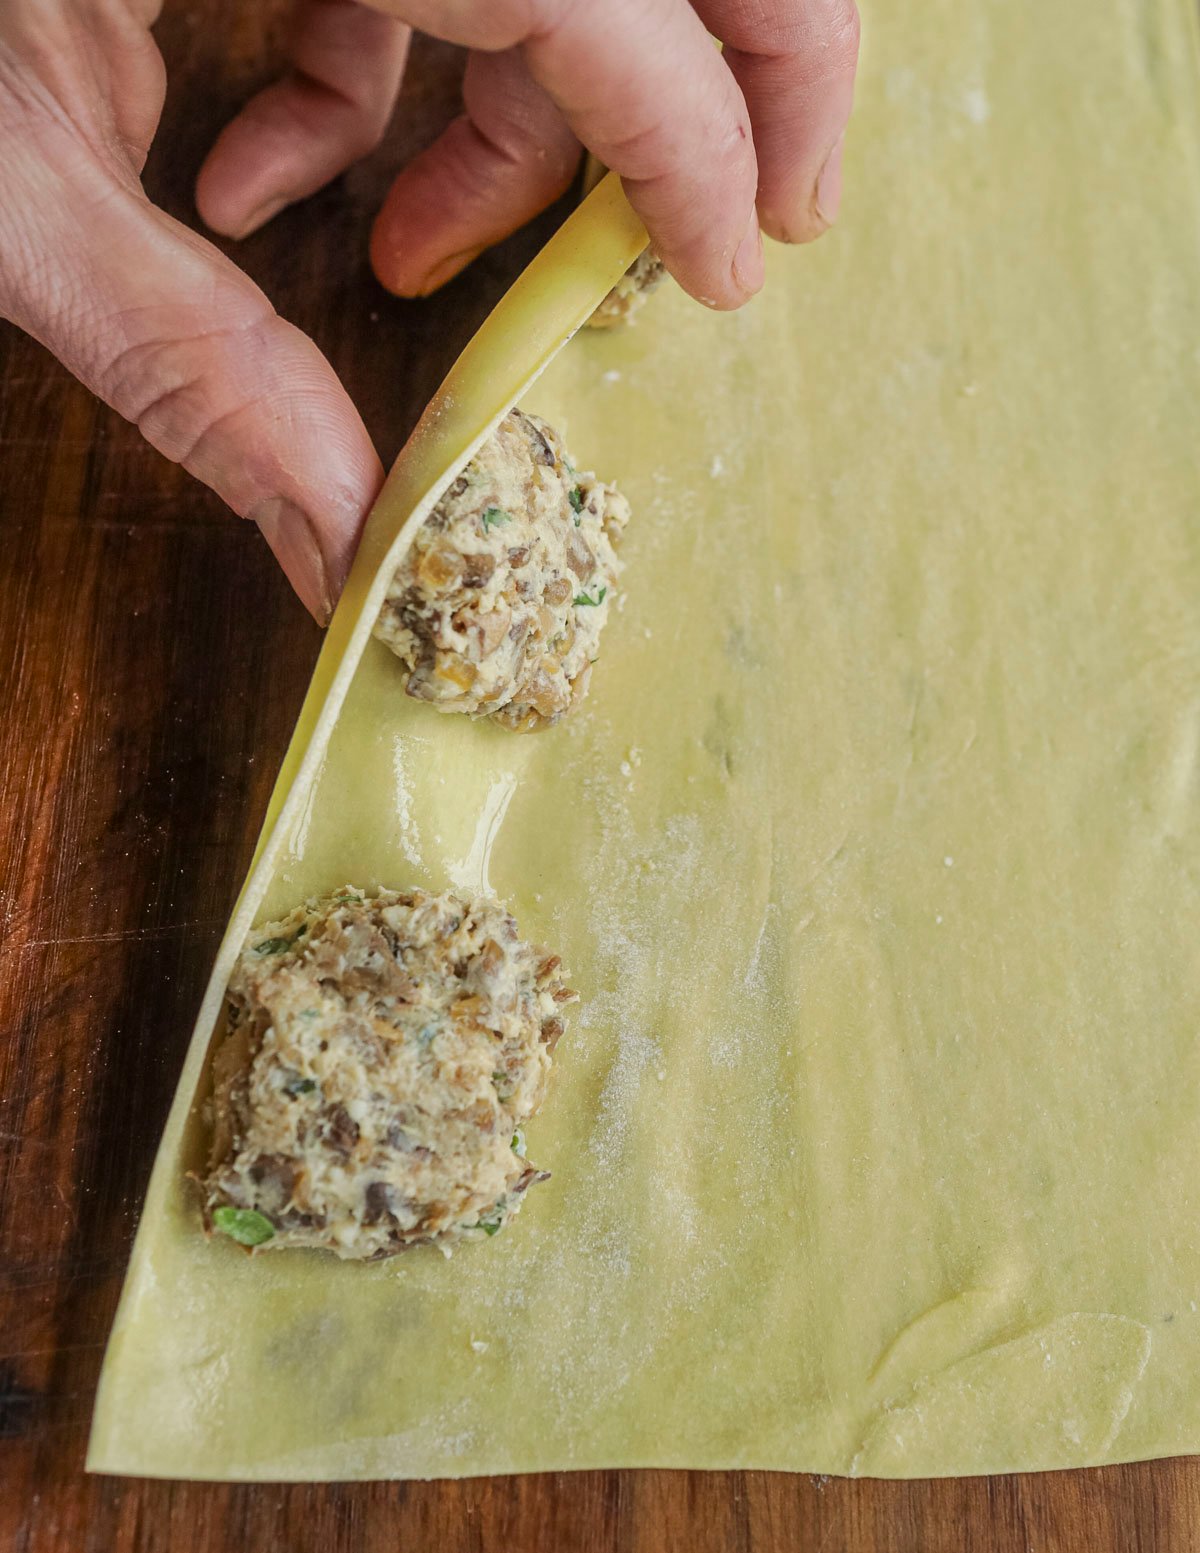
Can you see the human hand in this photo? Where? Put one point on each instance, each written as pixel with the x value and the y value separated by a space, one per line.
pixel 151 317
pixel 177 339
pixel 699 137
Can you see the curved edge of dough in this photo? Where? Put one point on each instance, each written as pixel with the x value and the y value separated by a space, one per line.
pixel 545 306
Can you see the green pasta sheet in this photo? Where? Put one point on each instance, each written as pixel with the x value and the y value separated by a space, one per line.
pixel 874 852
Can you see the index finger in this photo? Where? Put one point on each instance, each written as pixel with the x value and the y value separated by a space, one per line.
pixel 640 83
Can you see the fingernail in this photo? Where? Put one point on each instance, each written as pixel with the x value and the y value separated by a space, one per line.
pixel 446 270
pixel 748 267
pixel 260 216
pixel 291 536
pixel 828 196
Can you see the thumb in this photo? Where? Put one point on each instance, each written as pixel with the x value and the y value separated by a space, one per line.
pixel 175 338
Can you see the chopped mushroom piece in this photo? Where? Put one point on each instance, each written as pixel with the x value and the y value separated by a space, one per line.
pixel 381 1056
pixel 498 606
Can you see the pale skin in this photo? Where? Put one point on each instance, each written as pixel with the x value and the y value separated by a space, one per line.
pixel 714 148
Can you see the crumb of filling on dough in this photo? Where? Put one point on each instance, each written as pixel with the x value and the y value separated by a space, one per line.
pixel 381 1056
pixel 641 278
pixel 498 606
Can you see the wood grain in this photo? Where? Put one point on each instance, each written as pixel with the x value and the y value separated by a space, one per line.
pixel 152 661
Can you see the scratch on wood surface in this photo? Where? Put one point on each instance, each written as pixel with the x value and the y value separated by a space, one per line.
pixel 68 1206
pixel 122 935
pixel 11 1354
pixel 833 1526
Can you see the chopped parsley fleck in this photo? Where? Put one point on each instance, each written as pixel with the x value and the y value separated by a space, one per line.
pixel 518 1143
pixel 576 500
pixel 274 945
pixel 299 1085
pixel 582 599
pixel 245 1225
pixel 494 517
pixel 492 1224
pixel 278 945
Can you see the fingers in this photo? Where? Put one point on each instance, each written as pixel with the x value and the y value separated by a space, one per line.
pixel 135 78
pixel 507 157
pixel 794 61
pixel 95 68
pixel 657 104
pixel 178 340
pixel 297 134
pixel 640 83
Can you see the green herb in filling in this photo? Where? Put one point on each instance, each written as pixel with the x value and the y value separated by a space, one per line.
pixel 278 945
pixel 492 1224
pixel 245 1225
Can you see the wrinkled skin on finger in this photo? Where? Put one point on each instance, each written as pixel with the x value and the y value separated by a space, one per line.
pixel 146 313
pixel 713 148
pixel 709 145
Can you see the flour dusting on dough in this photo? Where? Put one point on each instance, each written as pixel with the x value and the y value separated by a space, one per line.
pixel 410 835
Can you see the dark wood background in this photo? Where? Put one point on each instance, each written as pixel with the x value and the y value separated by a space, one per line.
pixel 152 660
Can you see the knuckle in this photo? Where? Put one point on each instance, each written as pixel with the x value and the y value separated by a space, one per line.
pixel 529 18
pixel 521 139
pixel 467 164
pixel 357 122
pixel 844 31
pixel 637 152
pixel 818 27
pixel 500 24
pixel 176 390
pixel 156 384
pixel 509 108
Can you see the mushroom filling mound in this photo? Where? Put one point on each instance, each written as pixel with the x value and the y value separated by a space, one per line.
pixel 498 606
pixel 381 1056
pixel 629 293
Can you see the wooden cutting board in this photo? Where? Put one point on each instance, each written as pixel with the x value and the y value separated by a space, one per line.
pixel 152 661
